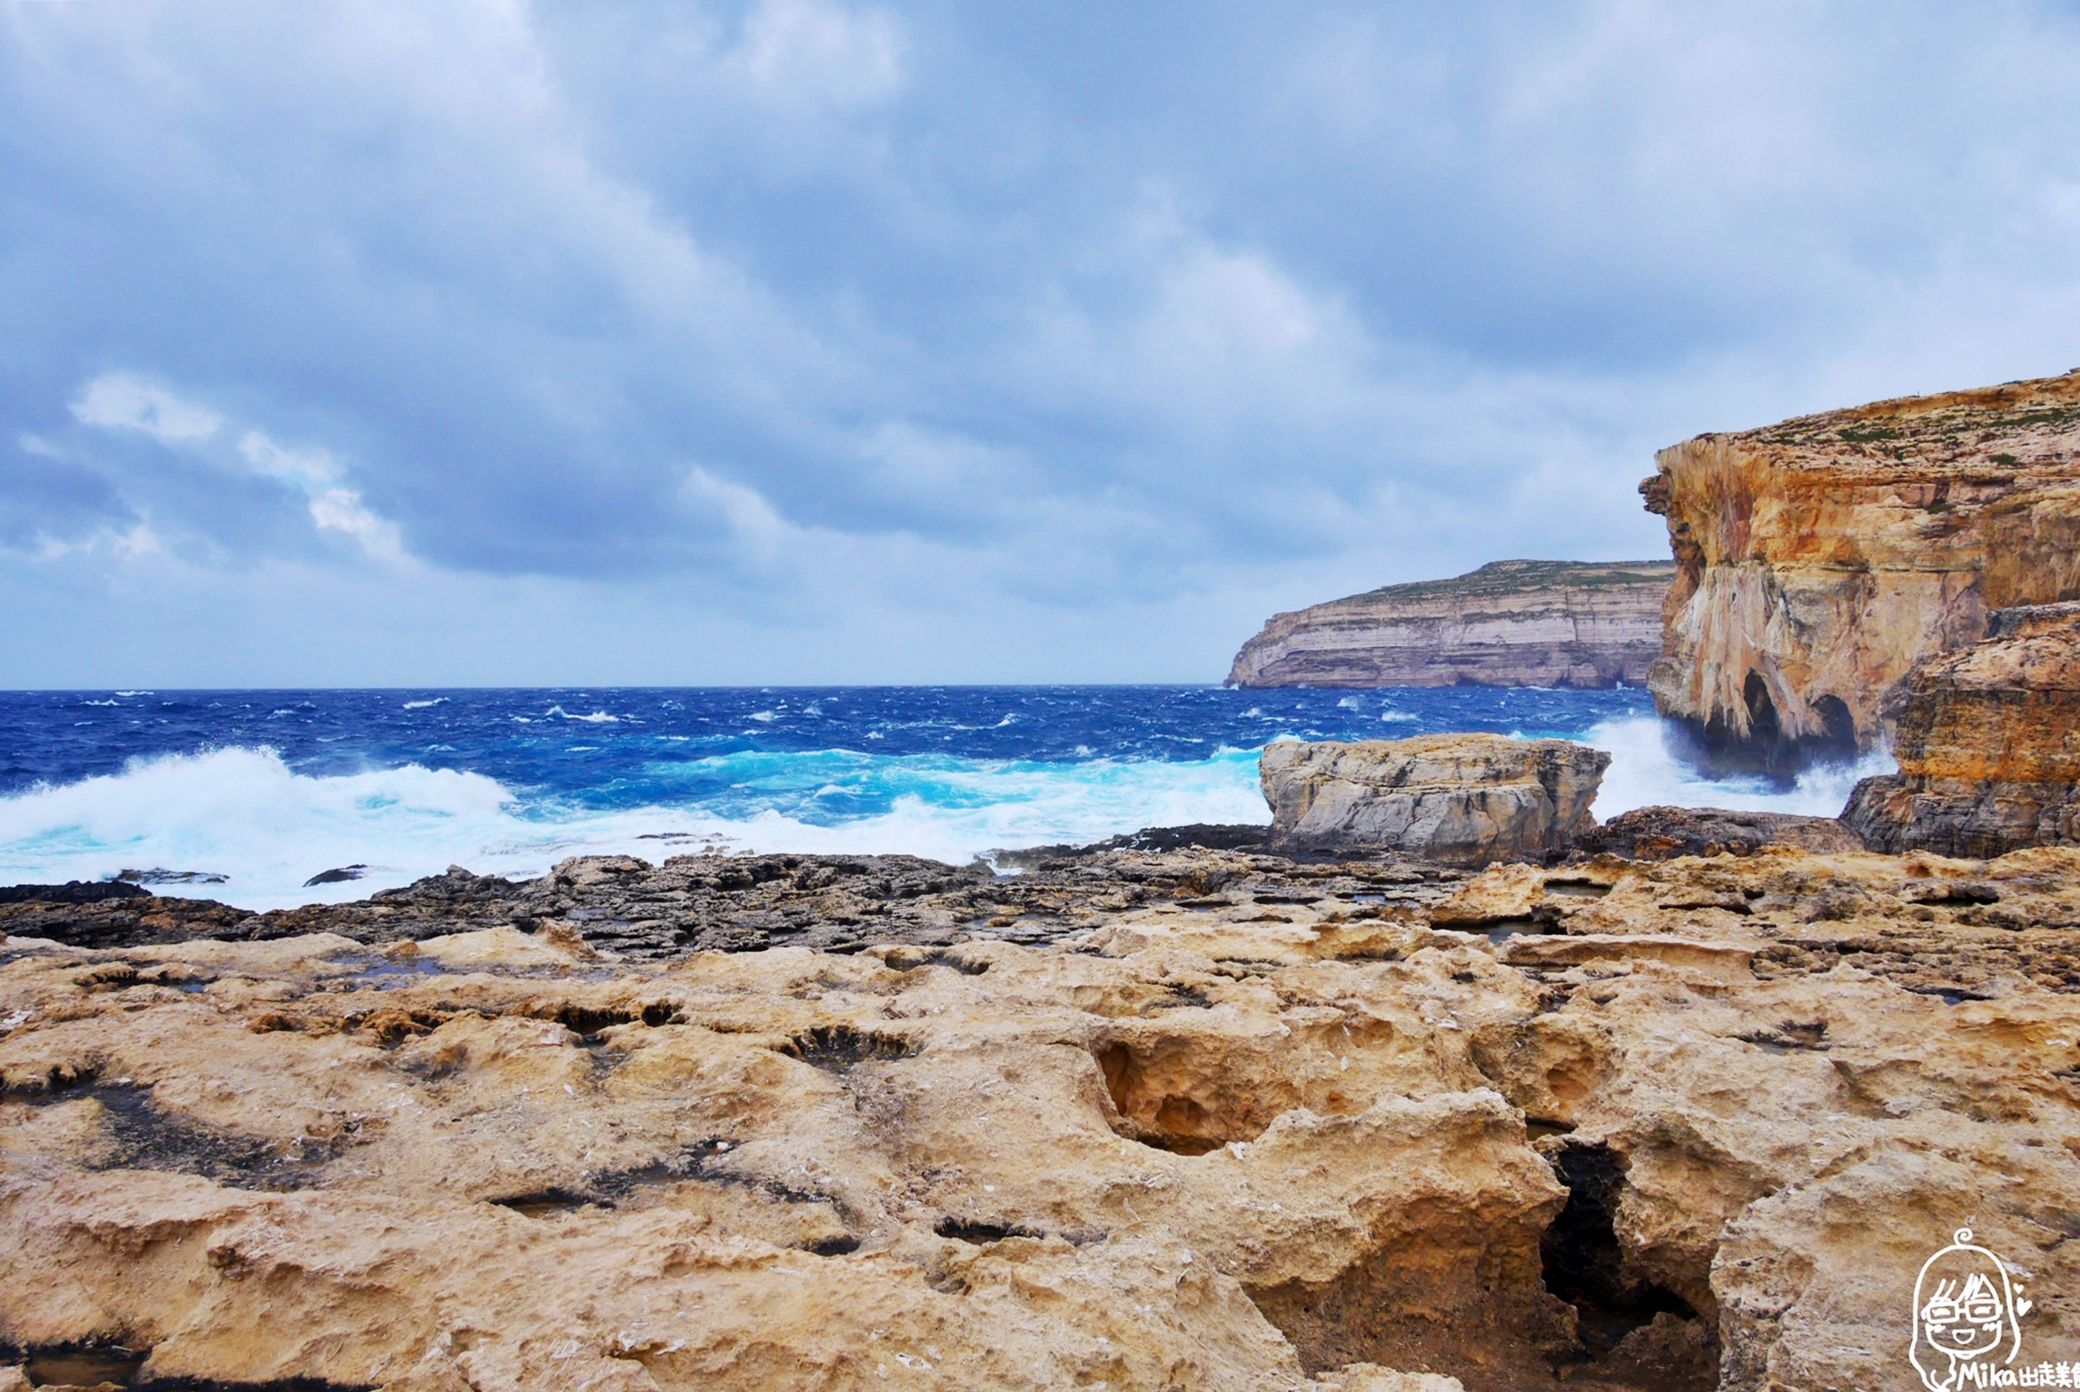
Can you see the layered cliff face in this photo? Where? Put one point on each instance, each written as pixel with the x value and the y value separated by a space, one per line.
pixel 1510 623
pixel 1988 740
pixel 1821 558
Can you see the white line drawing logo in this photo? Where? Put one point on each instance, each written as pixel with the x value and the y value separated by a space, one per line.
pixel 1965 1309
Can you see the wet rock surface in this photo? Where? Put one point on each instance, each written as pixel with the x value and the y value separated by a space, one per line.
pixel 1681 1124
pixel 1464 799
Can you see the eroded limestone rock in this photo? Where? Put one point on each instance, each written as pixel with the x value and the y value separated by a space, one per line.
pixel 1468 799
pixel 1669 1126
pixel 638 911
pixel 1660 833
pixel 1819 559
pixel 1988 741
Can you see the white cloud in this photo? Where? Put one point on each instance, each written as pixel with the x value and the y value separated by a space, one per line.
pixel 341 510
pixel 929 472
pixel 308 468
pixel 119 401
pixel 140 541
pixel 126 401
pixel 136 542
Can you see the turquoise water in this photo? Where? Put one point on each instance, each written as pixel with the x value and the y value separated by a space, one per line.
pixel 266 789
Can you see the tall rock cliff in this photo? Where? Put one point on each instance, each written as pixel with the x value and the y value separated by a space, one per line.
pixel 1821 558
pixel 1510 623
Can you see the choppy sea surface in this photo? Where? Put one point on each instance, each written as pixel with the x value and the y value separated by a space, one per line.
pixel 266 789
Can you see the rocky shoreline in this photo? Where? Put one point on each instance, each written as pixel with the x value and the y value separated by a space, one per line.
pixel 1432 1084
pixel 765 1121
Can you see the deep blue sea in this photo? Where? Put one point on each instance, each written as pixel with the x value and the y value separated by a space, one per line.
pixel 267 788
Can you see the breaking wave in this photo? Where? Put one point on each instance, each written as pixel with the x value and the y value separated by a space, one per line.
pixel 243 813
pixel 1644 773
pixel 269 794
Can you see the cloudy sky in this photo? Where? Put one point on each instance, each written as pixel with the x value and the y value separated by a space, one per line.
pixel 483 342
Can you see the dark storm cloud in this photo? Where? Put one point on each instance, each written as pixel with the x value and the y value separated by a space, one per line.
pixel 814 303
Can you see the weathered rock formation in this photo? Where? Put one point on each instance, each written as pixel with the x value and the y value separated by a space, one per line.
pixel 1988 741
pixel 1254 1130
pixel 1510 623
pixel 1663 833
pixel 1821 558
pixel 638 912
pixel 1464 799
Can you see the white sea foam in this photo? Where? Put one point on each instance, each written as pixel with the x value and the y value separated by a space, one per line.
pixel 596 718
pixel 1644 773
pixel 244 812
pixel 241 811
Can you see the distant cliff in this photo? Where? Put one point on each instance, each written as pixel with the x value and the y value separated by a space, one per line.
pixel 1821 558
pixel 1510 623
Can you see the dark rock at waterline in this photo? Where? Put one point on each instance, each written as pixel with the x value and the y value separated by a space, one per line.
pixel 1663 833
pixel 1721 747
pixel 160 875
pixel 647 913
pixel 72 892
pixel 340 875
pixel 1205 836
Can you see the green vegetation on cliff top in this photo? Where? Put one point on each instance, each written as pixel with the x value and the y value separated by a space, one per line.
pixel 1521 577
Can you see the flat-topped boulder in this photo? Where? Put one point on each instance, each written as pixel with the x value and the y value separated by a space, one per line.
pixel 1988 741
pixel 1464 799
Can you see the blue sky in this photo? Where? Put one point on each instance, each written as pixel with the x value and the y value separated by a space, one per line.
pixel 468 342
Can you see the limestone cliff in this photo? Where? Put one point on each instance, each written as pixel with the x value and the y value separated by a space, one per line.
pixel 1988 740
pixel 1510 623
pixel 1820 558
